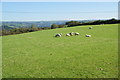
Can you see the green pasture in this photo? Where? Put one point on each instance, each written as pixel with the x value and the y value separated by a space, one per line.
pixel 41 55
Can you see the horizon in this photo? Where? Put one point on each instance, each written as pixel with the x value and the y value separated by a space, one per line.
pixel 58 20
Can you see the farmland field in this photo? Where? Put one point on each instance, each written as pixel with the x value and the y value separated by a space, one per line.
pixel 40 55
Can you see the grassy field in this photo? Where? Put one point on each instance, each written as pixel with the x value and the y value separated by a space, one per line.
pixel 40 55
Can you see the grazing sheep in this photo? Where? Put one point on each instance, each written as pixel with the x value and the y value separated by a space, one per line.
pixel 71 34
pixel 76 33
pixel 88 35
pixel 90 27
pixel 67 34
pixel 58 35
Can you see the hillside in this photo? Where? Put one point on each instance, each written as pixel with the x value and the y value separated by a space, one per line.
pixel 40 55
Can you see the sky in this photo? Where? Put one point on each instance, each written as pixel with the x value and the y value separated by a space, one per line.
pixel 49 11
pixel 60 0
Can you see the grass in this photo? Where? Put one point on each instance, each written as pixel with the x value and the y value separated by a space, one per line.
pixel 40 55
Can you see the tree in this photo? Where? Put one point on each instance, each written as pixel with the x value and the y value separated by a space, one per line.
pixel 54 26
pixel 33 28
pixel 62 26
pixel 73 23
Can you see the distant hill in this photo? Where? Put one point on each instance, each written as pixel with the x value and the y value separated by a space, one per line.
pixel 7 27
pixel 15 24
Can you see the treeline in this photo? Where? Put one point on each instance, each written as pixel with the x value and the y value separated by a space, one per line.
pixel 10 31
pixel 97 22
pixel 78 23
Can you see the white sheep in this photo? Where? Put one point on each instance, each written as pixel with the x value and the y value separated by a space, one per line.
pixel 67 34
pixel 61 34
pixel 88 35
pixel 76 33
pixel 90 27
pixel 58 35
pixel 71 34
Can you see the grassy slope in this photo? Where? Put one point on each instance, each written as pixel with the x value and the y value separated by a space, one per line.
pixel 39 54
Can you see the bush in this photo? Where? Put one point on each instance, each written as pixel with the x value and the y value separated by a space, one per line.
pixel 54 26
pixel 73 23
pixel 61 26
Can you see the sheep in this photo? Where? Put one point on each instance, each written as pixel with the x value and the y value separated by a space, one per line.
pixel 88 35
pixel 67 34
pixel 71 34
pixel 90 27
pixel 76 33
pixel 58 35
